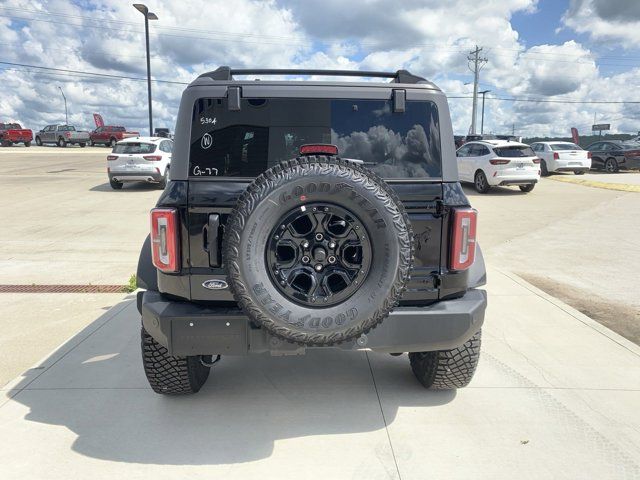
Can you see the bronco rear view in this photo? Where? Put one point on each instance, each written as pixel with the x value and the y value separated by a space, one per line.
pixel 311 214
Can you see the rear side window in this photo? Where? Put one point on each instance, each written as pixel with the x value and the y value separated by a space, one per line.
pixel 564 146
pixel 514 151
pixel 267 131
pixel 134 147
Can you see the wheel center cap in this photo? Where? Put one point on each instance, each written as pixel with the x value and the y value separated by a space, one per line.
pixel 319 254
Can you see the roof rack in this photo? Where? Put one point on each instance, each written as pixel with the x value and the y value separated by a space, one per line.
pixel 227 73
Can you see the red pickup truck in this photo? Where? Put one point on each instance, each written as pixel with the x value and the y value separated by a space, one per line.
pixel 11 133
pixel 109 135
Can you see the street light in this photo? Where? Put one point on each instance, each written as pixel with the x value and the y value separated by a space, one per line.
pixel 484 92
pixel 147 16
pixel 66 116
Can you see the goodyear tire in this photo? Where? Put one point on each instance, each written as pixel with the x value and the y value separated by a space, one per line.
pixel 327 214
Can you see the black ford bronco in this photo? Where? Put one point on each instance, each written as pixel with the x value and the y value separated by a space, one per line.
pixel 311 214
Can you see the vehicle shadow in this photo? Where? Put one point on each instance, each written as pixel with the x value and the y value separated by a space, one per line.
pixel 94 386
pixel 127 187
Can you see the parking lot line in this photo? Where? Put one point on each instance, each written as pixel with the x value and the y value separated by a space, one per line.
pixel 623 187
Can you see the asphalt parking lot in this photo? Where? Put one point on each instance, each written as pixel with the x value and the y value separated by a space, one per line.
pixel 555 396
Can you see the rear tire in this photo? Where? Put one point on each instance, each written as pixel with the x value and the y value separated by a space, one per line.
pixel 115 185
pixel 169 375
pixel 611 165
pixel 6 143
pixel 527 188
pixel 90 143
pixel 579 172
pixel 480 182
pixel 163 183
pixel 82 145
pixel 447 369
pixel 544 171
pixel 27 144
pixel 38 141
pixel 112 142
pixel 62 142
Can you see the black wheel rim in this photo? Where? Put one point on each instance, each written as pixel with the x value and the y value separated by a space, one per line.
pixel 318 255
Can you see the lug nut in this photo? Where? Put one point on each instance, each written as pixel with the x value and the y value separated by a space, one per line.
pixel 332 244
pixel 305 244
pixel 331 259
pixel 305 259
pixel 326 209
pixel 319 237
pixel 318 267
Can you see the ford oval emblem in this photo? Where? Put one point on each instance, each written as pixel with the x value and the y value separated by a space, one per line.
pixel 215 284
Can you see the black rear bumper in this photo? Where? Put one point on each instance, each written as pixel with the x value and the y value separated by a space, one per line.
pixel 186 328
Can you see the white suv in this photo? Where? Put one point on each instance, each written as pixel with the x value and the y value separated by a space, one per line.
pixel 491 163
pixel 140 159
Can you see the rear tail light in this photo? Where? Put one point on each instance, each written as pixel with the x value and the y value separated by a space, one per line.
pixel 165 247
pixel 498 161
pixel 319 148
pixel 588 154
pixel 632 154
pixel 556 156
pixel 112 157
pixel 153 158
pixel 462 251
pixel 536 161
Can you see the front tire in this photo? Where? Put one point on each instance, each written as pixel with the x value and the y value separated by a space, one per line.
pixel 82 145
pixel 62 142
pixel 113 142
pixel 611 165
pixel 169 375
pixel 27 144
pixel 38 141
pixel 480 182
pixel 447 369
pixel 527 188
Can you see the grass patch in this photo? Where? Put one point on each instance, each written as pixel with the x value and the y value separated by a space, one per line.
pixel 132 286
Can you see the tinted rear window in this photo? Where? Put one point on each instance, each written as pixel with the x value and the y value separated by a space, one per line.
pixel 564 146
pixel 514 151
pixel 266 131
pixel 134 147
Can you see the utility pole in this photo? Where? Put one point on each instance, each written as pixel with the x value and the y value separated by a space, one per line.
pixel 147 16
pixel 484 92
pixel 478 62
pixel 513 129
pixel 66 116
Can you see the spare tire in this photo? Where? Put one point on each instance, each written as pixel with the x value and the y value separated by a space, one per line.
pixel 318 250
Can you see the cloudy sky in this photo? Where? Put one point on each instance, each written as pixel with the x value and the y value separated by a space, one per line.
pixel 562 61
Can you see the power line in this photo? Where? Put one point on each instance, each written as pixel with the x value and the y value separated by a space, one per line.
pixel 96 74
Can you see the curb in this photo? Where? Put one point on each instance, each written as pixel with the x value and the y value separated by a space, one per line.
pixel 622 187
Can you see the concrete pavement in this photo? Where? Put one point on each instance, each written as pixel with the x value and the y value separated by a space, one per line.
pixel 555 396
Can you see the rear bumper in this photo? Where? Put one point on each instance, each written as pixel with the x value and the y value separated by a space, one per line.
pixel 135 176
pixel 516 181
pixel 186 328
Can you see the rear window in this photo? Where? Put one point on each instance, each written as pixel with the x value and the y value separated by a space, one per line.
pixel 514 151
pixel 66 128
pixel 266 131
pixel 117 129
pixel 564 146
pixel 134 147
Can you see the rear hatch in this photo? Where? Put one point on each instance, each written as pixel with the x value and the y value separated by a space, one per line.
pixel 134 157
pixel 520 161
pixel 230 148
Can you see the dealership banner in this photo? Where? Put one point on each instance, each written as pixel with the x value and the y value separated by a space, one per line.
pixel 98 119
pixel 574 134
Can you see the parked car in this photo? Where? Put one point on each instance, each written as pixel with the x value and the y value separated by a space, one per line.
pixel 162 132
pixel 11 133
pixel 562 157
pixel 498 162
pixel 109 135
pixel 140 159
pixel 613 155
pixel 266 240
pixel 62 135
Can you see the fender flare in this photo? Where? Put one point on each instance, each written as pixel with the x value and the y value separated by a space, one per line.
pixel 147 274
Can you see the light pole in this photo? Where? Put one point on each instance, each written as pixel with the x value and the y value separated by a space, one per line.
pixel 66 116
pixel 147 16
pixel 484 92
